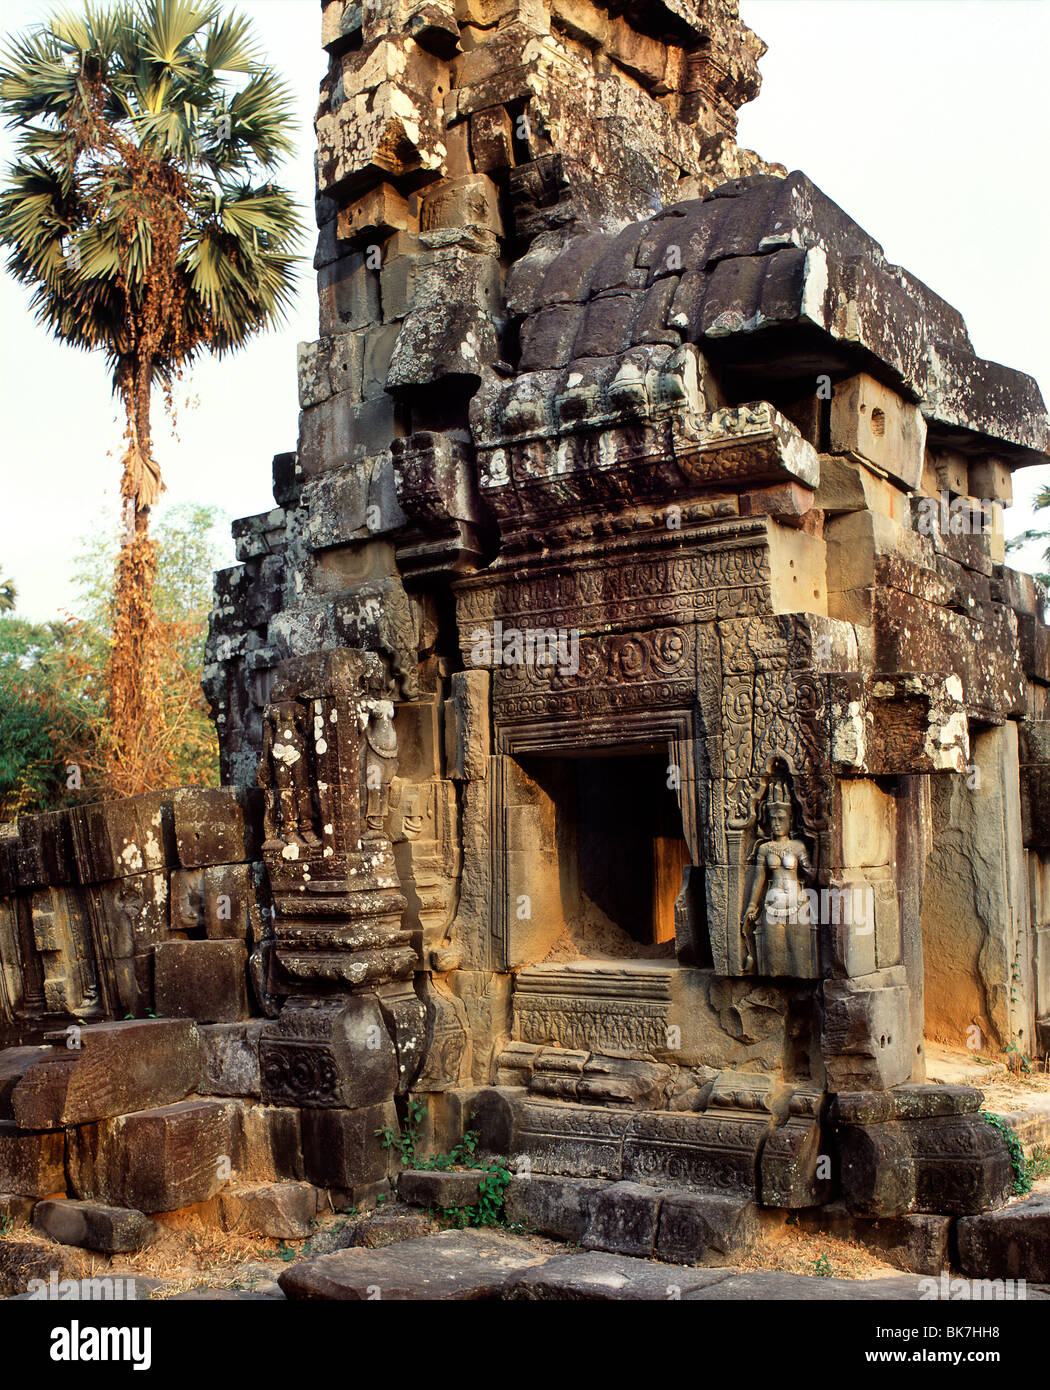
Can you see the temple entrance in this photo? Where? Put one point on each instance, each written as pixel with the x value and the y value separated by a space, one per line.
pixel 620 851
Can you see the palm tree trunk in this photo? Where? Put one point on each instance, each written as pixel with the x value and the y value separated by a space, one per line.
pixel 137 761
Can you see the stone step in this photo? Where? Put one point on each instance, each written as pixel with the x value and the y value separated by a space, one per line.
pixel 1012 1243
pixel 451 1265
pixel 432 1187
pixel 629 1218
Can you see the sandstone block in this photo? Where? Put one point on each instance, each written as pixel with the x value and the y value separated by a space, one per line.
pixel 450 1265
pixel 955 1164
pixel 16 1210
pixel 31 1162
pixel 155 1160
pixel 117 1067
pixel 552 1206
pixel 210 827
pixel 623 1219
pixel 1010 1244
pixel 872 421
pixel 204 980
pixel 268 1144
pixel 230 1058
pixel 432 1188
pixel 109 1230
pixel 705 1227
pixel 133 835
pixel 342 1149
pixel 281 1211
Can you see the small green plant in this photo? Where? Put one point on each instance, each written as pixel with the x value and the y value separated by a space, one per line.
pixel 1021 1166
pixel 404 1140
pixel 285 1251
pixel 822 1266
pixel 1039 1164
pixel 7 1225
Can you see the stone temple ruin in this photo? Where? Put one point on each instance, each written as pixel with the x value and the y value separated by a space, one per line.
pixel 633 742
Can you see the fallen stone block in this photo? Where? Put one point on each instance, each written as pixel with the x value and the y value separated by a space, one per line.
pixel 623 1219
pixel 552 1206
pixel 704 1228
pixel 453 1265
pixel 155 1160
pixel 608 1278
pixel 1013 1243
pixel 16 1210
pixel 342 1149
pixel 32 1163
pixel 109 1230
pixel 230 1058
pixel 118 1067
pixel 433 1188
pixel 204 980
pixel 282 1211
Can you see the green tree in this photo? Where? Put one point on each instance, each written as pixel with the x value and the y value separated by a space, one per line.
pixel 53 712
pixel 140 211
pixel 44 711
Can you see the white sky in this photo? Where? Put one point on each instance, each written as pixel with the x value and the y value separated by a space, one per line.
pixel 927 120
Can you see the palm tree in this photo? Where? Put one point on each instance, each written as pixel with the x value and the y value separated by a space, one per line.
pixel 140 211
pixel 8 595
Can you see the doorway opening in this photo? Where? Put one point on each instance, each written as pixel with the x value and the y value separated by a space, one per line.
pixel 620 850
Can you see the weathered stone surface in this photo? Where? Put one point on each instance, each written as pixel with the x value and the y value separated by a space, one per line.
pixel 22 1261
pixel 117 1067
pixel 955 1164
pixel 339 1054
pixel 31 1163
pixel 230 1058
pixel 204 980
pixel 608 1278
pixel 133 835
pixel 155 1160
pixel 342 1149
pixel 14 1063
pixel 210 827
pixel 552 1206
pixel 434 1188
pixel 280 1211
pixel 623 1219
pixel 705 1227
pixel 1010 1244
pixel 452 1265
pixel 268 1144
pixel 109 1230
